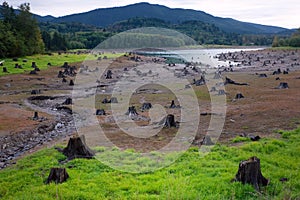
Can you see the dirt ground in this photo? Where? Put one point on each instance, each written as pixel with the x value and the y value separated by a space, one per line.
pixel 264 109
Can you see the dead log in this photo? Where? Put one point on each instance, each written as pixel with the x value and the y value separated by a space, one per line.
pixel 249 172
pixel 58 175
pixel 230 81
pixel 77 148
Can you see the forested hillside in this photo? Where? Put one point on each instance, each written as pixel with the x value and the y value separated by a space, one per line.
pixel 19 32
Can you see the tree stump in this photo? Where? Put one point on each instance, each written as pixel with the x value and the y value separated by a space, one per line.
pixel 221 92
pixel 146 106
pixel 32 72
pixel 36 116
pixel 173 104
pixel 109 74
pixel 4 70
pixel 77 148
pixel 239 96
pixel 58 175
pixel 283 85
pixel 207 141
pixel 249 172
pixel 131 111
pixel 71 83
pixel 100 112
pixel 114 100
pixel 68 101
pixel 170 121
pixel 64 80
pixel 33 65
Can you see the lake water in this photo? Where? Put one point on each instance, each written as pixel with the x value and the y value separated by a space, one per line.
pixel 204 56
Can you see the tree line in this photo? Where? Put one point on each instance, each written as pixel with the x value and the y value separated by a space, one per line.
pixel 19 32
pixel 293 41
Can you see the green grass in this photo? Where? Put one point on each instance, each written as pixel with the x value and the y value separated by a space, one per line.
pixel 42 61
pixel 192 176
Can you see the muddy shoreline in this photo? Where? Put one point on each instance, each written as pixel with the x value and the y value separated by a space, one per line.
pixel 240 119
pixel 17 144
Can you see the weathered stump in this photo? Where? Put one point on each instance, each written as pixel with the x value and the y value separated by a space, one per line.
pixel 58 175
pixel 173 105
pixel 207 141
pixel 131 111
pixel 4 70
pixel 61 75
pixel 213 89
pixel 77 148
pixel 170 121
pixel 34 92
pixel 71 83
pixel 109 74
pixel 239 96
pixel 113 100
pixel 249 172
pixel 105 100
pixel 283 85
pixel 146 106
pixel 100 112
pixel 68 101
pixel 217 75
pixel 33 65
pixel 64 80
pixel 221 92
pixel 33 72
pixel 35 116
pixel 199 82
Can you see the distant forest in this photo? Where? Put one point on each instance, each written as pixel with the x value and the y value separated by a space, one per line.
pixel 21 34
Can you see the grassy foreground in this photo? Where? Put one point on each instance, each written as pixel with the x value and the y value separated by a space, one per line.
pixel 42 61
pixel 190 177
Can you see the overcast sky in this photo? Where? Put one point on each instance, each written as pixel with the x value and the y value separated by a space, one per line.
pixel 284 13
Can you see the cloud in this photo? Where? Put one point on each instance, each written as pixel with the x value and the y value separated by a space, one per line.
pixel 272 12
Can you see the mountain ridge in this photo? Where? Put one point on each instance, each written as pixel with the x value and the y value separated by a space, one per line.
pixel 103 17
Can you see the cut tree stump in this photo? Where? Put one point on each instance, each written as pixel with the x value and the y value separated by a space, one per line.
pixel 250 173
pixel 71 83
pixel 170 121
pixel 283 85
pixel 77 148
pixel 35 116
pixel 58 175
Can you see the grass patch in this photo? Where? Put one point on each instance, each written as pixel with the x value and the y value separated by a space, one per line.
pixel 55 59
pixel 192 176
pixel 240 139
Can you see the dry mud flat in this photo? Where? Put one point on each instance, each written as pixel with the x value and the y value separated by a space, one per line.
pixel 263 110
